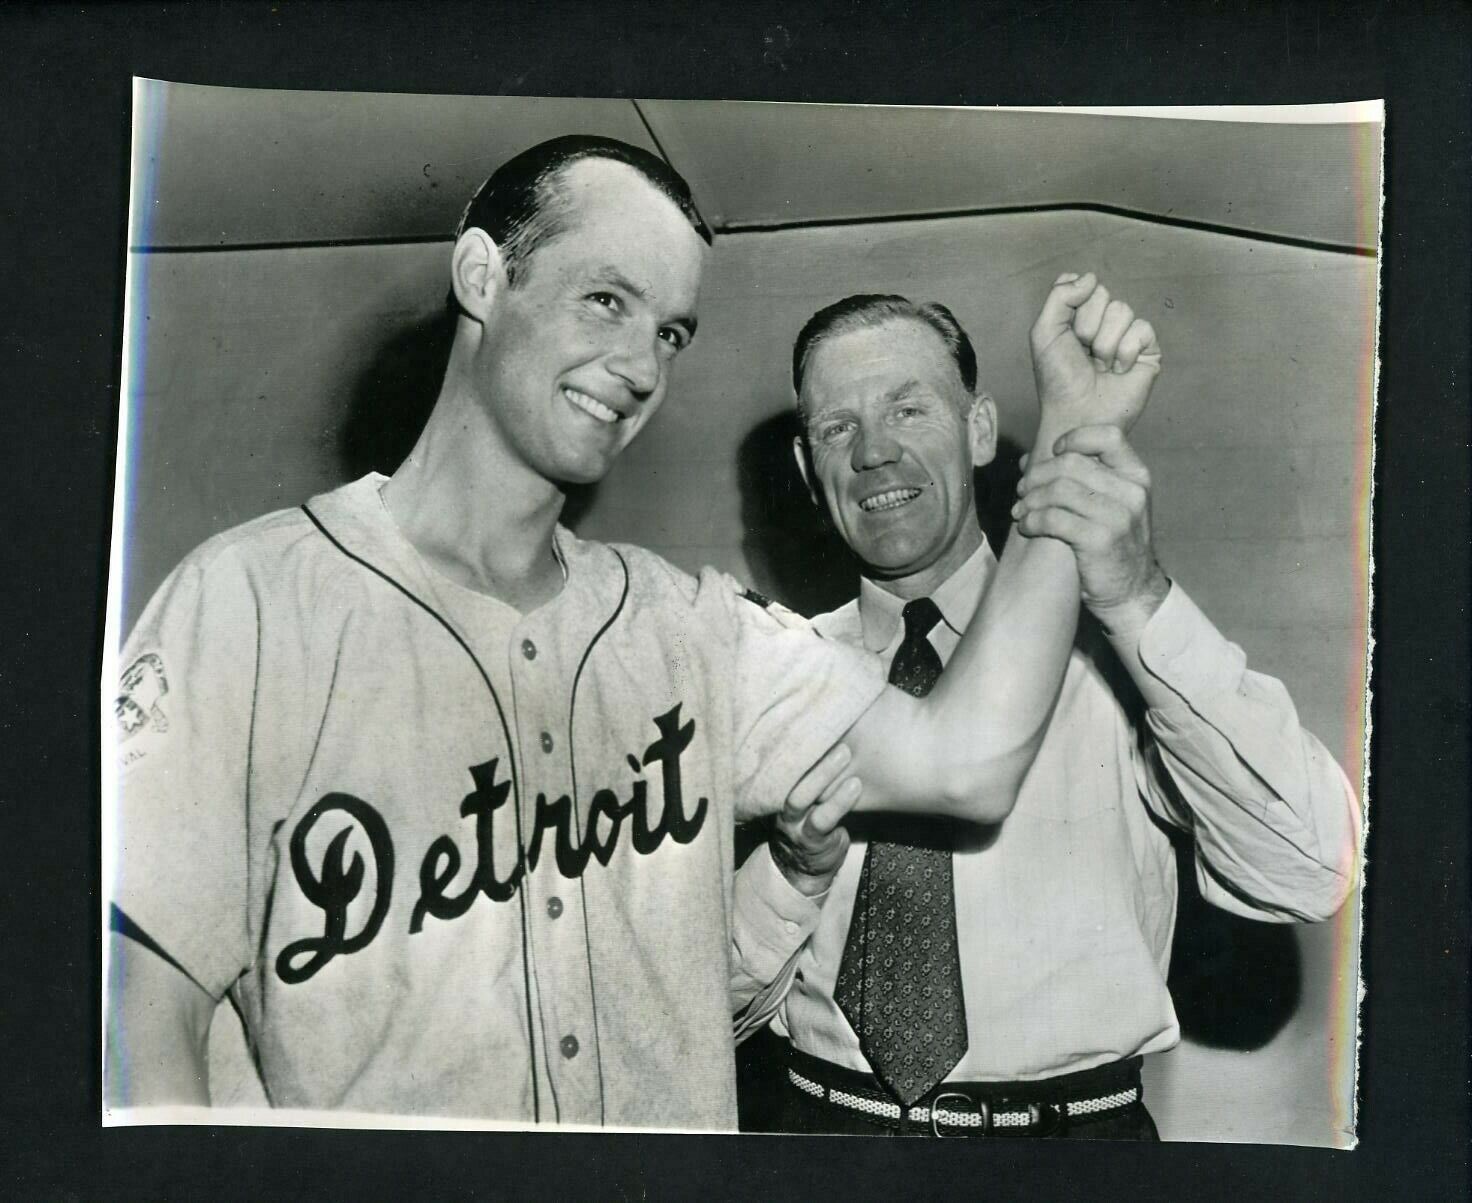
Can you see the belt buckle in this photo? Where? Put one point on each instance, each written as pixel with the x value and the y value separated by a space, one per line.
pixel 982 1107
pixel 1045 1119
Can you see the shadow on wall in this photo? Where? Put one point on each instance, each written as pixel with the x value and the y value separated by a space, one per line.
pixel 1236 983
pixel 392 398
pixel 795 555
pixel 393 395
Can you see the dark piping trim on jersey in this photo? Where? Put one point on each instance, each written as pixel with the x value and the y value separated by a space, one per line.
pixel 515 790
pixel 572 762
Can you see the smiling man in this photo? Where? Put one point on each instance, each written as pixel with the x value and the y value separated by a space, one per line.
pixel 1008 980
pixel 442 798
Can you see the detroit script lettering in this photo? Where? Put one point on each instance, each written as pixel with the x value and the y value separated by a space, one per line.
pixel 336 883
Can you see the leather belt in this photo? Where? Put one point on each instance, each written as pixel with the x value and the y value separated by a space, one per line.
pixel 957 1113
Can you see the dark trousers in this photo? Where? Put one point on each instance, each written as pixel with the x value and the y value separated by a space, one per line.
pixel 770 1103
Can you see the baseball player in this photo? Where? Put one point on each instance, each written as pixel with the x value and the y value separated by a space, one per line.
pixel 442 798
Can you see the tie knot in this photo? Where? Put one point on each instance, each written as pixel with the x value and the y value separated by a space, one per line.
pixel 920 617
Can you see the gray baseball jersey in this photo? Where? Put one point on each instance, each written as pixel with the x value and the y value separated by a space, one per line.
pixel 452 859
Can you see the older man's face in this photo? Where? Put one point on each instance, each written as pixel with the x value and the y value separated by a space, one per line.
pixel 577 357
pixel 888 424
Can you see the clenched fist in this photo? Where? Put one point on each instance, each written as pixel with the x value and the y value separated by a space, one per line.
pixel 1094 361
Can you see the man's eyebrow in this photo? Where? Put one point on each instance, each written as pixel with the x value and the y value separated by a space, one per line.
pixel 836 409
pixel 903 390
pixel 612 275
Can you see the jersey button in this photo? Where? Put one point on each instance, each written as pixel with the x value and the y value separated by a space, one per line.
pixel 569 1047
pixel 546 741
pixel 554 907
pixel 528 649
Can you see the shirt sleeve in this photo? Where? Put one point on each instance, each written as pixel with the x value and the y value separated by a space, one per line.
pixel 183 710
pixel 795 693
pixel 772 922
pixel 1275 821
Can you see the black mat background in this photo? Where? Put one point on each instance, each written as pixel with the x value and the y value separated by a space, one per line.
pixel 64 137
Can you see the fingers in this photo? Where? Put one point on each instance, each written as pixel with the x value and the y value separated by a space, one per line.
pixel 1138 345
pixel 1069 291
pixel 1115 337
pixel 1106 443
pixel 1090 316
pixel 1055 522
pixel 1116 320
pixel 1088 473
pixel 821 800
pixel 832 810
pixel 822 777
pixel 1111 503
pixel 809 825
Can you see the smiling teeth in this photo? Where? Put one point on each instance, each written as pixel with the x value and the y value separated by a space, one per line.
pixel 888 500
pixel 591 405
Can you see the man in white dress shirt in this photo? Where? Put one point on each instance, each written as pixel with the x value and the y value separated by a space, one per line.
pixel 1063 911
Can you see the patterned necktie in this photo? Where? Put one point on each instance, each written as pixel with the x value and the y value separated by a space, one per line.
pixel 899 983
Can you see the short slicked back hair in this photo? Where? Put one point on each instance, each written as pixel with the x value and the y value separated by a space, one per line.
pixel 866 310
pixel 523 206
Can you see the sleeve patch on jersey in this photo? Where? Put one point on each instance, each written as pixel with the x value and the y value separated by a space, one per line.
pixel 139 705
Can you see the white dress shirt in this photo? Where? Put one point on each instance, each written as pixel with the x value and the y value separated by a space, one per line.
pixel 1065 910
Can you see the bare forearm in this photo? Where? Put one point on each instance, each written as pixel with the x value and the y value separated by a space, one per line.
pixel 1007 670
pixel 1006 673
pixel 965 749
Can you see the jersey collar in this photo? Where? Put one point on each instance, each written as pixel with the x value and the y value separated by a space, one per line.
pixel 594 576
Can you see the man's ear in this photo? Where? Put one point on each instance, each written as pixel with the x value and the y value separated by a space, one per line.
pixel 477 273
pixel 805 468
pixel 981 431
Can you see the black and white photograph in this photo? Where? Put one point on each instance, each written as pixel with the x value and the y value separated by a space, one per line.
pixel 718 616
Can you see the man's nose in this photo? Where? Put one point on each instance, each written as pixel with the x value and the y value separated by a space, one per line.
pixel 636 363
pixel 873 448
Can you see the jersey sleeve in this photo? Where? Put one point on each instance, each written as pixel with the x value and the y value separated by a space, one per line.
pixel 183 714
pixel 795 693
pixel 770 925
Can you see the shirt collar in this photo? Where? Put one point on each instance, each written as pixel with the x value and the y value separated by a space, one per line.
pixel 880 611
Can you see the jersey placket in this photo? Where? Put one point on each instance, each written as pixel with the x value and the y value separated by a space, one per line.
pixel 541 682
